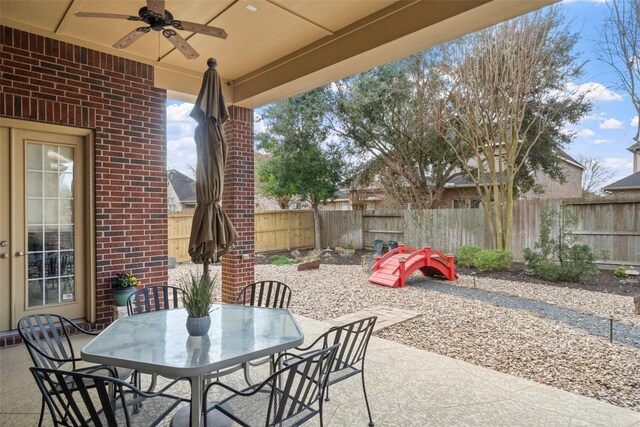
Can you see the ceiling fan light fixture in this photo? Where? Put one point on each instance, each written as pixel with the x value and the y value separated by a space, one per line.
pixel 251 8
pixel 158 18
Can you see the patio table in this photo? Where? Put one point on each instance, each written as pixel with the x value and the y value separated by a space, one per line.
pixel 158 342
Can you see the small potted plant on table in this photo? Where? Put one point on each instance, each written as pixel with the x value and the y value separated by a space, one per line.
pixel 197 298
pixel 123 285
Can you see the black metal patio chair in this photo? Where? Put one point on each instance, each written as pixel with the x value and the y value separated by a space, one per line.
pixel 267 293
pixel 83 399
pixel 47 338
pixel 349 361
pixel 291 396
pixel 153 298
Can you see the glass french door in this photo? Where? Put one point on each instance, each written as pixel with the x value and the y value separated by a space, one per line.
pixel 41 243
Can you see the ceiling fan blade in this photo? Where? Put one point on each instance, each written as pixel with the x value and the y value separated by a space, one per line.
pixel 156 6
pixel 107 15
pixel 181 44
pixel 131 37
pixel 199 28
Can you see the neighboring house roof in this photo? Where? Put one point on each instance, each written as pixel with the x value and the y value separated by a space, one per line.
pixel 183 186
pixel 631 182
pixel 465 181
pixel 566 157
pixel 341 195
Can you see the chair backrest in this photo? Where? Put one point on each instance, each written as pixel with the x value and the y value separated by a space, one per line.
pixel 75 398
pixel 299 385
pixel 153 298
pixel 47 339
pixel 268 293
pixel 353 339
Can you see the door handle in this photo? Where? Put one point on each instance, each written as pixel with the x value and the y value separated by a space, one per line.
pixel 4 243
pixel 19 253
pixel 3 255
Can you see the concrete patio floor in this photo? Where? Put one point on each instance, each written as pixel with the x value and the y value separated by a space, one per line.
pixel 406 387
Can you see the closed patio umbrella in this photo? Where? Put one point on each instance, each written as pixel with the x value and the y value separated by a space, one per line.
pixel 212 233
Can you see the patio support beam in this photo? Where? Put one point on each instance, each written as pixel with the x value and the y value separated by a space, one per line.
pixel 238 265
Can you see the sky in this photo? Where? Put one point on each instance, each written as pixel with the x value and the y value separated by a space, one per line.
pixel 605 133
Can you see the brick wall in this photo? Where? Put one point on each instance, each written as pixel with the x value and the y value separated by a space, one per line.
pixel 49 81
pixel 238 202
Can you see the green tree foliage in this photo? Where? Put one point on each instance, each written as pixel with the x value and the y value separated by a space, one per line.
pixel 302 162
pixel 386 114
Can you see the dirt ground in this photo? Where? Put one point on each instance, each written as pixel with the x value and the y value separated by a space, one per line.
pixel 603 282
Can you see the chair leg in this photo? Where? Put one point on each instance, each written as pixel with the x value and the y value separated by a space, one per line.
pixel 247 374
pixel 366 400
pixel 41 413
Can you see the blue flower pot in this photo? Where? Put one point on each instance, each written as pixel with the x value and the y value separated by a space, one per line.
pixel 198 326
pixel 120 296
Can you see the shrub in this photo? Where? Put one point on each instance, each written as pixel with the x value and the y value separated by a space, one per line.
pixel 281 260
pixel 561 258
pixel 467 256
pixel 577 267
pixel 621 272
pixel 494 260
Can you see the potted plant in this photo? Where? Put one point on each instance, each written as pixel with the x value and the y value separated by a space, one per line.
pixel 197 298
pixel 123 285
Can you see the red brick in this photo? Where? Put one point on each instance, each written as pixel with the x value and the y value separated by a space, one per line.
pixel 80 74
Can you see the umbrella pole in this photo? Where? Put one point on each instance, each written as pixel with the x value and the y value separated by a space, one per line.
pixel 205 273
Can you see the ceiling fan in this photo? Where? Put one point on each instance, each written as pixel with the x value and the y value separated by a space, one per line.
pixel 158 18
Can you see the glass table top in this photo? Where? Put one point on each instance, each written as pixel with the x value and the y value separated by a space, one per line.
pixel 158 341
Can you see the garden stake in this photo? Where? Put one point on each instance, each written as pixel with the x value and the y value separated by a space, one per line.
pixel 611 329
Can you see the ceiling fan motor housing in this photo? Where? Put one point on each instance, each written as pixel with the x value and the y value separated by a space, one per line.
pixel 156 21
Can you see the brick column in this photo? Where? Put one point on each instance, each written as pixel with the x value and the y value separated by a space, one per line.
pixel 238 265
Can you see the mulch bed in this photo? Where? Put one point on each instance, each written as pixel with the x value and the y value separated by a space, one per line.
pixel 604 282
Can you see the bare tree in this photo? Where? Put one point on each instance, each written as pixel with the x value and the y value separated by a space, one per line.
pixel 506 96
pixel 595 174
pixel 620 48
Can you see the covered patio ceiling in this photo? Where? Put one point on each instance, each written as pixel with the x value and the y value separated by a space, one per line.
pixel 275 48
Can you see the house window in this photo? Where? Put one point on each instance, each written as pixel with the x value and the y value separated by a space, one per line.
pixel 344 206
pixel 475 204
pixel 459 204
pixel 371 206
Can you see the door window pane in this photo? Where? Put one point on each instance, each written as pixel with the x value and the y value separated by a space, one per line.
pixel 34 184
pixel 50 219
pixel 51 211
pixel 34 207
pixel 35 265
pixel 35 292
pixel 34 157
pixel 52 291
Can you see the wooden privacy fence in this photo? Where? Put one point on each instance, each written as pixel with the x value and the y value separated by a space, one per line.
pixel 606 226
pixel 179 232
pixel 611 227
pixel 280 230
pixel 274 231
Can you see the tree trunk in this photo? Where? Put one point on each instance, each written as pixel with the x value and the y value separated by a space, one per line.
pixel 316 225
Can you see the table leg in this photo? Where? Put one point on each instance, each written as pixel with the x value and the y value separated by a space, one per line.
pixel 196 400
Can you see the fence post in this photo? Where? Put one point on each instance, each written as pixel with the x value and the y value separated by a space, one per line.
pixel 288 230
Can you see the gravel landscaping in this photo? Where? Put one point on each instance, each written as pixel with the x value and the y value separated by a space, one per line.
pixel 517 340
